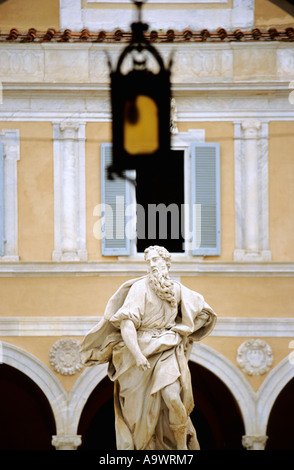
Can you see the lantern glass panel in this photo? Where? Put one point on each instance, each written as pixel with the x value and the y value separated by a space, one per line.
pixel 141 126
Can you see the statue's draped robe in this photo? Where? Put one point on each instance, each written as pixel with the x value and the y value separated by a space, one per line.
pixel 165 334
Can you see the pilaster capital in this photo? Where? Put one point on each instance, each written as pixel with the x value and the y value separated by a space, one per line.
pixel 66 441
pixel 10 140
pixel 254 442
pixel 69 130
pixel 251 128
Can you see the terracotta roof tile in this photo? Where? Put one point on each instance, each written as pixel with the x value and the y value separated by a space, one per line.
pixel 220 35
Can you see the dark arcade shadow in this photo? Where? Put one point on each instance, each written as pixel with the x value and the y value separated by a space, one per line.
pixel 26 417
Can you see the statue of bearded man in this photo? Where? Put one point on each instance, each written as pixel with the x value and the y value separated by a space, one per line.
pixel 146 335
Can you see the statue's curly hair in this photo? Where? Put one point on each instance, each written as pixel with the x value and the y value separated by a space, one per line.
pixel 163 252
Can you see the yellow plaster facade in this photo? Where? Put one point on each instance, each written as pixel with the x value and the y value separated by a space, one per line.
pixel 25 15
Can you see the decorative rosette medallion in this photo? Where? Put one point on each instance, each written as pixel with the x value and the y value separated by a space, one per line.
pixel 64 356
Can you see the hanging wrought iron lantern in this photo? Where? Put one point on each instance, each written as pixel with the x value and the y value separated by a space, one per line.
pixel 140 101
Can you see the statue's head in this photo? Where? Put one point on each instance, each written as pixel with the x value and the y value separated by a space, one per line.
pixel 158 259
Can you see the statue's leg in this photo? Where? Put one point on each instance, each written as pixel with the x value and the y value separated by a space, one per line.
pixel 177 413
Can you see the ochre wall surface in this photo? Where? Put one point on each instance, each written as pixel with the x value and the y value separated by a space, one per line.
pixel 29 14
pixel 281 190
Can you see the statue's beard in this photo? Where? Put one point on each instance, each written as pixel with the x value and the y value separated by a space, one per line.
pixel 163 286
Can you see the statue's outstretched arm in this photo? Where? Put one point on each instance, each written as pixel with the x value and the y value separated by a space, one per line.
pixel 129 335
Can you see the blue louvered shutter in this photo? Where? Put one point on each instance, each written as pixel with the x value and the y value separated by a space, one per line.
pixel 115 197
pixel 2 210
pixel 205 199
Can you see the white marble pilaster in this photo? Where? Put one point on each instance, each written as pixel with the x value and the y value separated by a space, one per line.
pixel 69 191
pixel 250 130
pixel 10 140
pixel 251 191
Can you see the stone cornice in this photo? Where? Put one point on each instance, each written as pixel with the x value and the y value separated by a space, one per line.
pixel 181 89
pixel 88 102
pixel 136 267
pixel 80 325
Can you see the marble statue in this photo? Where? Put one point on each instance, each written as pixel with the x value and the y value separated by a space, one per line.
pixel 145 336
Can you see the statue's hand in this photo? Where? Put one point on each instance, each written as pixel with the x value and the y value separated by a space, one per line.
pixel 142 362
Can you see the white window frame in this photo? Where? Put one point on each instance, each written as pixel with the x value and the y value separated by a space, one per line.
pixel 77 14
pixel 182 142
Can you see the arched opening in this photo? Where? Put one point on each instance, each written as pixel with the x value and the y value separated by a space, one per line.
pixel 281 419
pixel 216 416
pixel 96 425
pixel 27 421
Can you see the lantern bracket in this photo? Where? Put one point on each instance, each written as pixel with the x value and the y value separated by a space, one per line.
pixel 139 42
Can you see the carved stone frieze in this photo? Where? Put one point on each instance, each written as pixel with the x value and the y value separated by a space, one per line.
pixel 255 357
pixel 64 356
pixel 207 63
pixel 16 62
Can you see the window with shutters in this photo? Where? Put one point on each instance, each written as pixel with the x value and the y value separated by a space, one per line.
pixel 115 205
pixel 178 208
pixel 205 199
